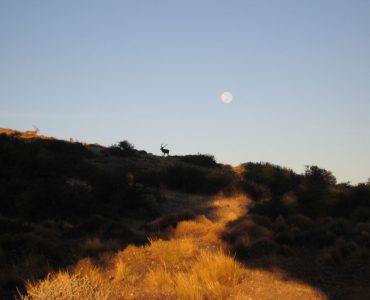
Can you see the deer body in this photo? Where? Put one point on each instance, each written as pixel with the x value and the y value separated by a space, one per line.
pixel 164 150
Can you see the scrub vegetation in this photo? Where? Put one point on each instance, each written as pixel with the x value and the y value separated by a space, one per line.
pixel 82 221
pixel 192 263
pixel 312 227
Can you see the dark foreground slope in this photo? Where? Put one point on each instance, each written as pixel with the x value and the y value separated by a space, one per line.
pixel 61 201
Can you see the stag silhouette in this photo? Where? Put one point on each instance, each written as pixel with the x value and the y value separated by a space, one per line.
pixel 164 150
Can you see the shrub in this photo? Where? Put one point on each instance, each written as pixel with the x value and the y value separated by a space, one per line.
pixel 302 221
pixel 193 179
pixel 64 286
pixel 319 178
pixel 126 146
pixel 262 220
pixel 213 276
pixel 244 233
pixel 258 248
pixel 166 221
pixel 360 214
pixel 202 160
pixel 277 179
pixel 280 223
pixel 285 237
pixel 122 148
pixel 339 226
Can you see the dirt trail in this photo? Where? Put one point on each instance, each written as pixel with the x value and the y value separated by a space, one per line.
pixel 258 284
pixel 228 209
pixel 194 263
pixel 206 230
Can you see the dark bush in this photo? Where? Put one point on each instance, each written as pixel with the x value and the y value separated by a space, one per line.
pixel 202 160
pixel 163 222
pixel 122 148
pixel 259 248
pixel 262 220
pixel 276 179
pixel 195 179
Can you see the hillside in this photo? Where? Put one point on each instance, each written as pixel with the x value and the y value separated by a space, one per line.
pixel 119 223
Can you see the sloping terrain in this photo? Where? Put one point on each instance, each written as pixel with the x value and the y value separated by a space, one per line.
pixel 62 201
pixel 81 221
pixel 193 263
pixel 314 229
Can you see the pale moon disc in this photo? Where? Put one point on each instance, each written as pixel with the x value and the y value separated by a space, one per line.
pixel 226 97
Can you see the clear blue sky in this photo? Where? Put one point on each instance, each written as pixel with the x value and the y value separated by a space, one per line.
pixel 153 71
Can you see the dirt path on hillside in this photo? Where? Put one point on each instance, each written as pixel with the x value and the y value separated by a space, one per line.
pixel 193 263
pixel 206 232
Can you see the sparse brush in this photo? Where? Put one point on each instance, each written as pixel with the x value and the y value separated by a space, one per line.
pixel 64 286
pixel 188 287
pixel 170 220
pixel 218 267
pixel 213 276
pixel 262 220
pixel 172 252
pixel 302 221
pixel 247 228
pixel 121 270
pixel 362 226
pixel 160 280
pixel 280 223
pixel 134 258
pixel 85 267
pixel 195 228
pixel 247 248
pixel 92 246
pixel 201 228
pixel 339 226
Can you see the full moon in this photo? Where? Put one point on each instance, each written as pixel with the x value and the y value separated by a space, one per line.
pixel 226 97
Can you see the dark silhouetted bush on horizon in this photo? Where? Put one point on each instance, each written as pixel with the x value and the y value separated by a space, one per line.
pixel 122 148
pixel 202 160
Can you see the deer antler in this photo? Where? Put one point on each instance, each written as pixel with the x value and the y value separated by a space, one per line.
pixel 164 150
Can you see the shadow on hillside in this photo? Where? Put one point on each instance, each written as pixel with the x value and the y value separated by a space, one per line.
pixel 308 226
pixel 335 273
pixel 62 201
pixel 57 207
pixel 37 250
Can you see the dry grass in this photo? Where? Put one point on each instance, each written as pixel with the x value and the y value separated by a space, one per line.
pixel 171 252
pixel 213 276
pixel 67 287
pixel 86 268
pixel 191 265
pixel 201 229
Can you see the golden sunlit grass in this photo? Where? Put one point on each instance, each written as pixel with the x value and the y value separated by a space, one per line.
pixel 67 286
pixel 171 252
pixel 191 265
pixel 213 275
pixel 201 229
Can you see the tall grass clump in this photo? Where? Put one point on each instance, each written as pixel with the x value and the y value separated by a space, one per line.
pixel 65 286
pixel 213 276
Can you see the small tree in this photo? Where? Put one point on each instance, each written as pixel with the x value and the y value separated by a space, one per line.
pixel 126 146
pixel 319 178
pixel 122 148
